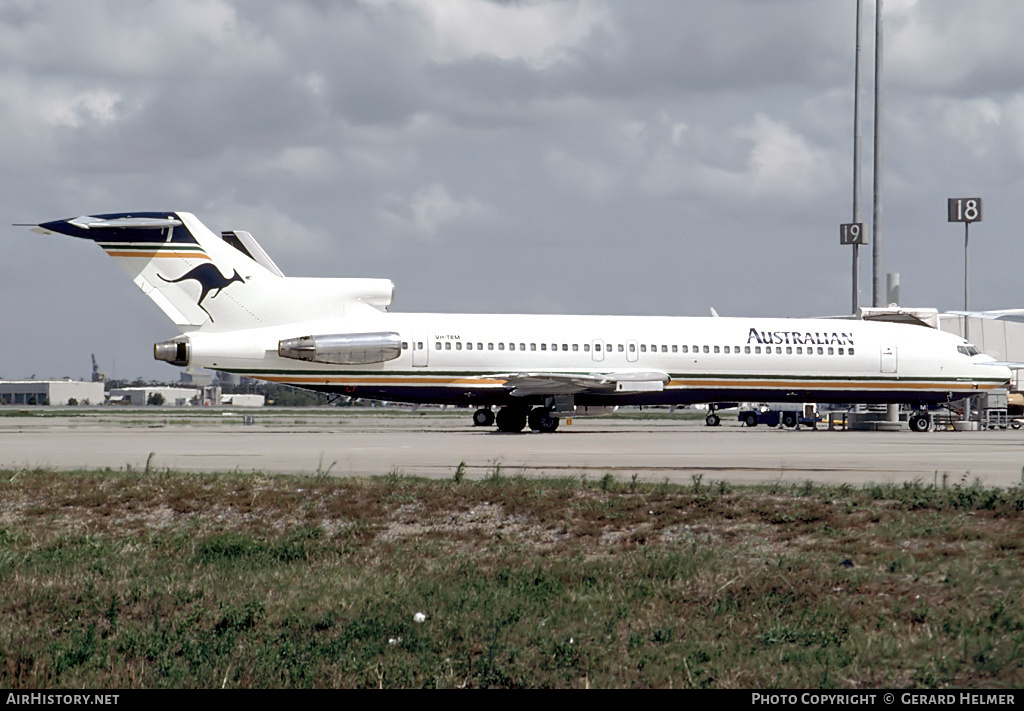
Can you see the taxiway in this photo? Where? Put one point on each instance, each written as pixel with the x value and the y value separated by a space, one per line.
pixel 434 444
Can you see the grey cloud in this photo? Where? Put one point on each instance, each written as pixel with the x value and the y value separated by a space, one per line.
pixel 655 157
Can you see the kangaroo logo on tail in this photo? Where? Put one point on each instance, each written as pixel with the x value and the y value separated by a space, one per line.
pixel 209 278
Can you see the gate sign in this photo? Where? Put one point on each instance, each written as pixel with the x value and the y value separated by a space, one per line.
pixel 964 210
pixel 852 233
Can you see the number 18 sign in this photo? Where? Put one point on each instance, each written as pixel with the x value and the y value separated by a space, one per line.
pixel 964 210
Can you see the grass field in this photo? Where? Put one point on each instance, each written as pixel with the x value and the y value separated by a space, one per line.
pixel 169 579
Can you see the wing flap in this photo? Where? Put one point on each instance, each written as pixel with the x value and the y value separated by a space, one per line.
pixel 633 381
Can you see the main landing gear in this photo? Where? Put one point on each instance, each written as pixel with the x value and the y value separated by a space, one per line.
pixel 515 419
pixel 919 421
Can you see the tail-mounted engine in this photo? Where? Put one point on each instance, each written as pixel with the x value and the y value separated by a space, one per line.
pixel 175 352
pixel 343 348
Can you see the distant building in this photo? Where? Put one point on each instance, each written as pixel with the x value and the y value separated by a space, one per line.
pixel 142 396
pixel 240 400
pixel 197 376
pixel 50 392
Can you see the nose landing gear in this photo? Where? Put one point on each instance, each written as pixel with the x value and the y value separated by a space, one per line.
pixel 919 421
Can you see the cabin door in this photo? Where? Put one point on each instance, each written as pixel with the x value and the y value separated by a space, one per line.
pixel 889 359
pixel 597 350
pixel 420 350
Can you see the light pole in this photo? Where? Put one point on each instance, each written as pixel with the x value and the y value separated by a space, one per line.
pixel 965 210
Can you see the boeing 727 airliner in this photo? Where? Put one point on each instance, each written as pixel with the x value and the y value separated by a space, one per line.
pixel 238 313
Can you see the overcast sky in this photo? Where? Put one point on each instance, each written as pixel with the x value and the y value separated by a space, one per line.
pixel 576 156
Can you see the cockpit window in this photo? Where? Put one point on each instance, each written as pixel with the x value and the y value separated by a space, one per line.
pixel 968 350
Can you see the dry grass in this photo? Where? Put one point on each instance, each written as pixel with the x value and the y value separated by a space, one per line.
pixel 165 579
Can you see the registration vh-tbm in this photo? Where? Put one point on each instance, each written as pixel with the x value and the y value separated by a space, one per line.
pixel 239 314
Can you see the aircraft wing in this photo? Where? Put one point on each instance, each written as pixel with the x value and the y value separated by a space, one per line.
pixel 524 384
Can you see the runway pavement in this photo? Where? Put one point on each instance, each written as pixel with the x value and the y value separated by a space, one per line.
pixel 366 443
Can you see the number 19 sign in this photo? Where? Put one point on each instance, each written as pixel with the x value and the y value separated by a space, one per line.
pixel 852 233
pixel 964 210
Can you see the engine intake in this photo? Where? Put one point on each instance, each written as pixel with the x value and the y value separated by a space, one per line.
pixel 343 348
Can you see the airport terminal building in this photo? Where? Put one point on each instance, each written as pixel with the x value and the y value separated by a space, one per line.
pixel 50 392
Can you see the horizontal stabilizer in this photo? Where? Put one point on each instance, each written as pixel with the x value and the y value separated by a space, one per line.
pixel 125 223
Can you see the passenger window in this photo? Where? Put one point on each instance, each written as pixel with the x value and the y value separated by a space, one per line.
pixel 821 351
pixel 727 349
pixel 789 350
pixel 716 349
pixel 501 346
pixel 849 352
pixel 447 345
pixel 405 346
pixel 840 351
pixel 643 348
pixel 565 346
pixel 799 350
pixel 621 348
pixel 746 349
pixel 675 347
pixel 437 345
pixel 586 348
pixel 469 346
pixel 830 352
pixel 575 346
pixel 543 346
pixel 706 349
pixel 757 350
pixel 533 346
pixel 458 345
pixel 686 349
pixel 597 347
pixel 632 348
pixel 522 346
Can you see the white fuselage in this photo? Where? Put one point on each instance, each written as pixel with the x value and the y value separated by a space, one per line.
pixel 460 358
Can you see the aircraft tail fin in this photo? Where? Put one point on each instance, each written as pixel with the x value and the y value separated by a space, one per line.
pixel 203 281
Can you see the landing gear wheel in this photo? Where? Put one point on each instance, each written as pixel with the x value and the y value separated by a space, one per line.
pixel 751 420
pixel 541 420
pixel 483 418
pixel 789 419
pixel 511 419
pixel 920 423
pixel 712 420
